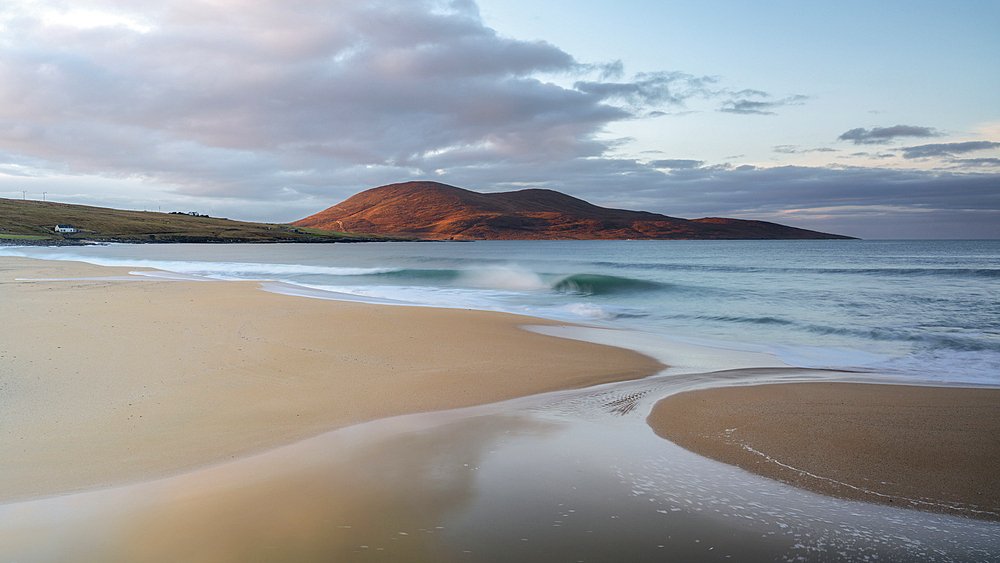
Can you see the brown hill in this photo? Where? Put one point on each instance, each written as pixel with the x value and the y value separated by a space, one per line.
pixel 432 210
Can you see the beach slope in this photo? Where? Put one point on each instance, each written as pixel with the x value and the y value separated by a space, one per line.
pixel 929 448
pixel 123 378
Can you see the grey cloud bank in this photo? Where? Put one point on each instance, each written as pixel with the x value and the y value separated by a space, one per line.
pixel 947 149
pixel 883 135
pixel 676 163
pixel 273 110
pixel 744 106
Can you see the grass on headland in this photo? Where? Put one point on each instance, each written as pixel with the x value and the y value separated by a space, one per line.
pixel 23 237
pixel 36 220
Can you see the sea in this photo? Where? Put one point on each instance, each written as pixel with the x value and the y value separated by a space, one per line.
pixel 572 475
pixel 918 309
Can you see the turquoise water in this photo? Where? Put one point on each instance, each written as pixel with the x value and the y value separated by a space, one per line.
pixel 917 309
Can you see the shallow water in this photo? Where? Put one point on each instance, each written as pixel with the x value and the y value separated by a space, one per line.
pixel 565 476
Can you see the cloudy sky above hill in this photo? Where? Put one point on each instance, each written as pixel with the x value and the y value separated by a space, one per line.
pixel 878 121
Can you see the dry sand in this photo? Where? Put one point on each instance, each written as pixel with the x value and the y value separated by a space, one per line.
pixel 109 382
pixel 931 448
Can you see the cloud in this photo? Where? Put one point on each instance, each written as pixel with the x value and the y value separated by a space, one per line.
pixel 883 135
pixel 672 88
pixel 977 161
pixel 204 94
pixel 744 106
pixel 676 164
pixel 947 149
pixel 275 99
pixel 865 154
pixel 742 190
pixel 849 195
pixel 792 149
pixel 293 106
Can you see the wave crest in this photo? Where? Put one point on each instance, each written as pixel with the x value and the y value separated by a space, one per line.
pixel 596 284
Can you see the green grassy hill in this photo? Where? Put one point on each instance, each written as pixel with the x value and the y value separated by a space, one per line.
pixel 24 220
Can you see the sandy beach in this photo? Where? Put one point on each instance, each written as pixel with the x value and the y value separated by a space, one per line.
pixel 105 382
pixel 216 421
pixel 929 448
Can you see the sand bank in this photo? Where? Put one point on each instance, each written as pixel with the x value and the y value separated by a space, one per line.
pixel 105 382
pixel 931 448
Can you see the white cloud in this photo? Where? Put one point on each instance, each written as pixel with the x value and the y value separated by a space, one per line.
pixel 283 107
pixel 202 96
pixel 90 19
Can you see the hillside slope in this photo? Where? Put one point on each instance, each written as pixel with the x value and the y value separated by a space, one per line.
pixel 28 221
pixel 432 210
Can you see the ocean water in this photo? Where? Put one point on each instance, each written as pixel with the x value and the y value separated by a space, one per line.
pixel 574 475
pixel 927 310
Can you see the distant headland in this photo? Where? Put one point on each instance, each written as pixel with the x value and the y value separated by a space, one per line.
pixel 407 211
pixel 47 223
pixel 431 210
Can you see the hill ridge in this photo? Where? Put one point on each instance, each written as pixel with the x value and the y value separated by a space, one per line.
pixel 433 210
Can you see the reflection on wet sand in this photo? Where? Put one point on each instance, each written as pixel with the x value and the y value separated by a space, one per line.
pixel 566 476
pixel 384 488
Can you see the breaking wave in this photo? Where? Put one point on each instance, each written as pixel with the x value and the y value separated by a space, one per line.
pixel 595 284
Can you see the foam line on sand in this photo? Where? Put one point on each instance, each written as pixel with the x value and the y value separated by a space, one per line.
pixel 925 447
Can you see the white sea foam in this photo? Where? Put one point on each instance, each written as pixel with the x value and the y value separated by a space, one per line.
pixel 588 311
pixel 220 270
pixel 388 294
pixel 231 270
pixel 948 366
pixel 333 294
pixel 509 277
pixel 681 357
pixel 817 305
pixel 799 356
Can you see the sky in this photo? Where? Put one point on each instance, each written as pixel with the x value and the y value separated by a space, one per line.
pixel 873 119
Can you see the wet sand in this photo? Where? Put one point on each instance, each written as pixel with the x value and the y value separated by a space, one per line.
pixel 108 382
pixel 929 448
pixel 113 382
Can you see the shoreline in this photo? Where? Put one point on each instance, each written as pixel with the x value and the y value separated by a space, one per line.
pixel 931 448
pixel 110 382
pixel 155 367
pixel 237 348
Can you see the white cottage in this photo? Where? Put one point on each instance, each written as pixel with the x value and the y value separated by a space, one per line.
pixel 65 229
